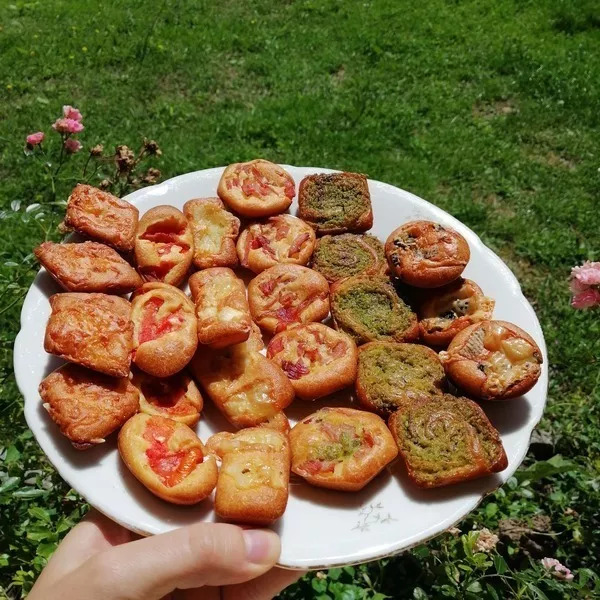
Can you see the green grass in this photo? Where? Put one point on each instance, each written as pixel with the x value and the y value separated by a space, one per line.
pixel 489 110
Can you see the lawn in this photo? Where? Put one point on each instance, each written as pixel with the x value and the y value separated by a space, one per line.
pixel 491 110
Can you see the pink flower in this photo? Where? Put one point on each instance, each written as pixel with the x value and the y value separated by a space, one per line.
pixel 67 126
pixel 72 145
pixel 33 139
pixel 586 299
pixel 70 112
pixel 557 569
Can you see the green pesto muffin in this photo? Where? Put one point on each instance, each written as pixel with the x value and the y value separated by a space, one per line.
pixel 445 440
pixel 335 203
pixel 369 309
pixel 392 374
pixel 339 256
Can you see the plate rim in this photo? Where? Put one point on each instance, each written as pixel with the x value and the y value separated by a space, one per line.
pixel 363 555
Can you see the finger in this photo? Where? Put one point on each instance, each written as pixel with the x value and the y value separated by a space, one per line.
pixel 94 533
pixel 202 554
pixel 264 587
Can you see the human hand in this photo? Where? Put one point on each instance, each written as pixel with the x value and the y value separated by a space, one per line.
pixel 100 560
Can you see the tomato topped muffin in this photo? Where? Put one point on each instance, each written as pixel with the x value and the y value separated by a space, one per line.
pixel 164 245
pixel 87 406
pixel 167 458
pixel 341 448
pixel 340 256
pixel 102 217
pixel 247 387
pixel 175 397
pixel 336 202
pixel 426 254
pixel 317 359
pixel 449 309
pixel 493 360
pixel 281 239
pixel 287 294
pixel 215 231
pixel 258 188
pixel 254 475
pixel 93 330
pixel 164 329
pixel 445 440
pixel 391 375
pixel 369 309
pixel 88 267
pixel 221 307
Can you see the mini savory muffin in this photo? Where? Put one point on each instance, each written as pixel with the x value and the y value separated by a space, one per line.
pixel 426 254
pixel 286 294
pixel 281 239
pixel 175 397
pixel 279 422
pixel 215 231
pixel 87 406
pixel 168 458
pixel 253 479
pixel 221 307
pixel 247 387
pixel 88 267
pixel 93 330
pixel 165 333
pixel 447 310
pixel 391 375
pixel 444 440
pixel 164 245
pixel 102 217
pixel 341 448
pixel 258 188
pixel 340 256
pixel 336 203
pixel 493 360
pixel 369 309
pixel 317 359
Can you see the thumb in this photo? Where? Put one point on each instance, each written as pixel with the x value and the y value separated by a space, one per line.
pixel 203 554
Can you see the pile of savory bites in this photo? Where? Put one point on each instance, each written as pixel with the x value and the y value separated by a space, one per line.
pixel 404 325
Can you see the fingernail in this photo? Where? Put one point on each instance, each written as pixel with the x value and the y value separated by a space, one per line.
pixel 262 546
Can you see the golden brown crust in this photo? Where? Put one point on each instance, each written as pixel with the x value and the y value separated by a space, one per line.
pixel 167 458
pixel 175 397
pixel 164 245
pixel 286 294
pixel 426 254
pixel 254 475
pixel 215 231
pixel 102 216
pixel 255 189
pixel 164 329
pixel 88 267
pixel 280 239
pixel 87 406
pixel 248 388
pixel 449 309
pixel 221 307
pixel 336 203
pixel 445 440
pixel 93 330
pixel 493 360
pixel 341 448
pixel 317 359
pixel 391 375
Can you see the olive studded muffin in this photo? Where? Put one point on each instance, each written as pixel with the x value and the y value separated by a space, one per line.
pixel 369 309
pixel 335 203
pixel 445 440
pixel 340 256
pixel 391 375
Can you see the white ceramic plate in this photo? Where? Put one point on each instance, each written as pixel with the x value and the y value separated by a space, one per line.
pixel 320 528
